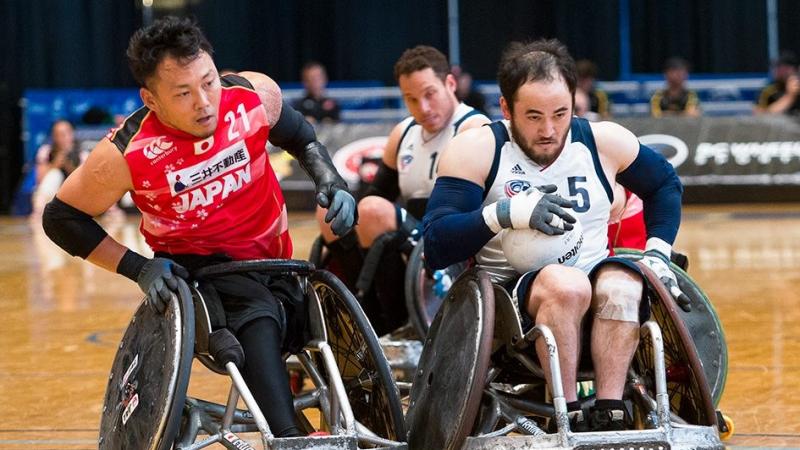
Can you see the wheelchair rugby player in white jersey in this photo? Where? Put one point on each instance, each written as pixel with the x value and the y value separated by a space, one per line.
pixel 564 170
pixel 393 205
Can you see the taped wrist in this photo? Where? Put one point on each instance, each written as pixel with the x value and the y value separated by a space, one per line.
pixel 659 247
pixel 491 214
pixel 131 265
pixel 71 229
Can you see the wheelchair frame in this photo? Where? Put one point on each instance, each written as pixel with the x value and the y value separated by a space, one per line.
pixel 665 431
pixel 189 318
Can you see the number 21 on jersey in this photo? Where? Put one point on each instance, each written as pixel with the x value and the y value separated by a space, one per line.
pixel 233 125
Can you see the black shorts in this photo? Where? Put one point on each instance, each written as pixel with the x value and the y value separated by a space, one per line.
pixel 235 299
pixel 518 288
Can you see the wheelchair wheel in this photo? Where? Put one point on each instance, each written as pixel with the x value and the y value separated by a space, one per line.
pixel 689 391
pixel 365 372
pixel 704 326
pixel 423 296
pixel 451 375
pixel 149 377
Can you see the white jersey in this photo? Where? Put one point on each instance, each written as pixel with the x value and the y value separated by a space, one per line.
pixel 577 174
pixel 418 154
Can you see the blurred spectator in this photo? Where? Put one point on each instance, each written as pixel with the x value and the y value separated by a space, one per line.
pixel 781 97
pixel 598 99
pixel 54 162
pixel 465 91
pixel 675 99
pixel 315 106
pixel 582 103
pixel 97 115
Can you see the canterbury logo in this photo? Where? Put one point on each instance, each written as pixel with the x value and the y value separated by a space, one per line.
pixel 156 147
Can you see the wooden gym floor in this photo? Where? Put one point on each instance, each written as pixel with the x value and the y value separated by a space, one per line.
pixel 62 319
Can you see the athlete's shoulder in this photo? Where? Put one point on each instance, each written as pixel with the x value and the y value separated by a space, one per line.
pixel 268 92
pixel 130 128
pixel 467 117
pixel 612 138
pixel 234 80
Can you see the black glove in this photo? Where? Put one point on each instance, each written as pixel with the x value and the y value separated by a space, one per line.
pixel 332 191
pixel 157 280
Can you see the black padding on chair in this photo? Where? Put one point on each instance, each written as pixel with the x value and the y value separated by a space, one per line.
pixel 266 266
pixel 450 378
pixel 225 348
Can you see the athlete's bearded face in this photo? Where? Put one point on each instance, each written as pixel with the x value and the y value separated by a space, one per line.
pixel 185 94
pixel 540 118
pixel 429 99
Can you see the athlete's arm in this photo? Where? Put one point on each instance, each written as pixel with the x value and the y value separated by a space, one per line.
pixel 269 92
pixel 290 131
pixel 386 183
pixel 88 192
pixel 454 227
pixel 647 174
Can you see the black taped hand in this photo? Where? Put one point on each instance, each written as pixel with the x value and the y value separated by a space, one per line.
pixel 158 281
pixel 342 212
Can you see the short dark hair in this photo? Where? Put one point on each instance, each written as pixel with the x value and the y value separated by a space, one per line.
pixel 419 58
pixel 788 58
pixel 540 60
pixel 177 37
pixel 586 69
pixel 676 63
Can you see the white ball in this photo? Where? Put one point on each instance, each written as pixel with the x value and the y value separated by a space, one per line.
pixel 529 250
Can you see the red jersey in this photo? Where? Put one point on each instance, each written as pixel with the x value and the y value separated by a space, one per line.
pixel 629 231
pixel 213 195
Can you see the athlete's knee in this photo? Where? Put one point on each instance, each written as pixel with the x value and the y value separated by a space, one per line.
pixel 324 228
pixel 617 294
pixel 374 209
pixel 563 288
pixel 376 216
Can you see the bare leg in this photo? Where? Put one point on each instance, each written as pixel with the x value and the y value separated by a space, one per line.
pixel 615 331
pixel 376 216
pixel 559 298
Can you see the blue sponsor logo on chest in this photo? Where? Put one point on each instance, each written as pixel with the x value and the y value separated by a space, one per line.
pixel 514 187
pixel 405 161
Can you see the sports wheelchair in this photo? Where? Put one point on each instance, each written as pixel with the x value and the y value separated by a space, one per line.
pixel 146 403
pixel 475 385
pixel 423 291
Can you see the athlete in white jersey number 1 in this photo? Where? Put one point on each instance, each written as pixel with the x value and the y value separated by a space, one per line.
pixel 540 144
pixel 406 175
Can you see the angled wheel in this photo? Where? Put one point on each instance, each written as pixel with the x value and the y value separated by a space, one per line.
pixel 702 324
pixel 373 395
pixel 451 375
pixel 424 292
pixel 147 387
pixel 689 392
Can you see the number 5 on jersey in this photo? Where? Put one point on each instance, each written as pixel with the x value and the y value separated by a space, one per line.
pixel 582 203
